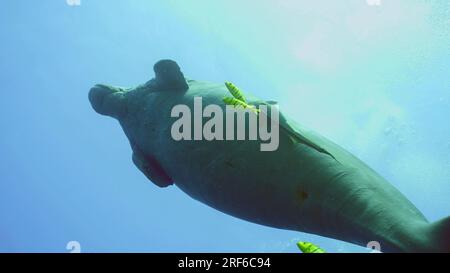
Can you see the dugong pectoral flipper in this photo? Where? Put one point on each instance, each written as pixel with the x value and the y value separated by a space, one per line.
pixel 150 167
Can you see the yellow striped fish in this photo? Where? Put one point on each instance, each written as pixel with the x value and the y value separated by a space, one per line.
pixel 238 99
pixel 307 247
pixel 238 103
pixel 236 92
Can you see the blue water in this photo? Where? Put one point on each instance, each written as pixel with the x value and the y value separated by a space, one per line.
pixel 373 78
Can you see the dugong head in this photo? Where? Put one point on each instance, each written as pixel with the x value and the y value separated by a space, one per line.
pixel 112 101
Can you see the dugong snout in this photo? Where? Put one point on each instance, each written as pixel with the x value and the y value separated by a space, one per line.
pixel 111 101
pixel 107 100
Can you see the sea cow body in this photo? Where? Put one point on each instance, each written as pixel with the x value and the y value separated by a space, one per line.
pixel 310 184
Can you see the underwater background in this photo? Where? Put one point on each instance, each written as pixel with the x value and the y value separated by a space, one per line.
pixel 371 75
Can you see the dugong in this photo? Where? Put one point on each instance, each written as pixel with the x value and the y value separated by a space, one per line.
pixel 308 184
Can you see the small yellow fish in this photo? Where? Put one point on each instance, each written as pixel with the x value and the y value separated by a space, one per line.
pixel 236 92
pixel 307 247
pixel 238 103
pixel 238 99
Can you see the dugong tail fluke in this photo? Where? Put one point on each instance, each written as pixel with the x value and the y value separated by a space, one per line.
pixel 308 184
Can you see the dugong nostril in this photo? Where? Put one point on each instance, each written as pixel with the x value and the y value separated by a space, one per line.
pixel 168 76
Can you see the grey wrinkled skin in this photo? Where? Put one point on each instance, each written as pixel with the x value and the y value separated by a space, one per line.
pixel 309 184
